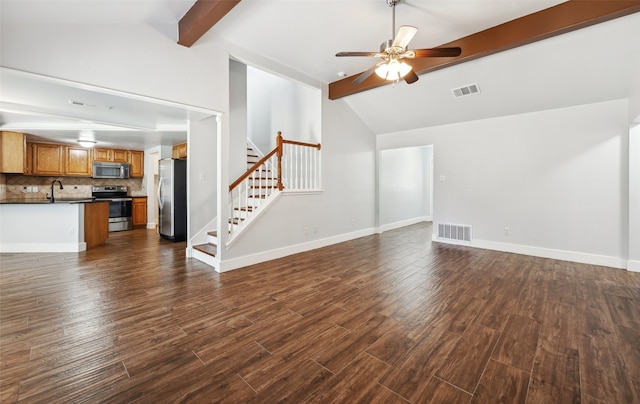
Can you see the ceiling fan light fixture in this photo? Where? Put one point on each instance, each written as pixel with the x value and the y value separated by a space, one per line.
pixel 393 70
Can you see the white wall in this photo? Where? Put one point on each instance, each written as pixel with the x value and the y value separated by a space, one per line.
pixel 279 104
pixel 558 179
pixel 237 119
pixel 44 227
pixel 202 174
pixel 151 157
pixel 127 57
pixel 404 182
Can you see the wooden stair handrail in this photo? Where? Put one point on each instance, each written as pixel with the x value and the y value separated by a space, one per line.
pixel 278 150
pixel 293 142
pixel 252 169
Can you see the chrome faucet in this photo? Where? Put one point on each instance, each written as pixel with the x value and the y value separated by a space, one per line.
pixel 52 200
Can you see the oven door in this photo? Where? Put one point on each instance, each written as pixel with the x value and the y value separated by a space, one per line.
pixel 120 212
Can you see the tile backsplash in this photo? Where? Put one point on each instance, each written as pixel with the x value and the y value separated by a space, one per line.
pixel 17 186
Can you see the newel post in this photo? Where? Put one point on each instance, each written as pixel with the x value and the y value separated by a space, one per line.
pixel 279 154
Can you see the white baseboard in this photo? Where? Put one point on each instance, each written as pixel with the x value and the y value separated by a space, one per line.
pixel 403 223
pixel 42 247
pixel 633 266
pixel 584 258
pixel 240 262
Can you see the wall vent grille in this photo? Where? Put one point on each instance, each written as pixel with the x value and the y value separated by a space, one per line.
pixel 466 90
pixel 456 232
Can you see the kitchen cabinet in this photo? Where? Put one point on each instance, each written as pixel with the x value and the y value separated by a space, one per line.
pixel 111 155
pixel 12 152
pixel 179 151
pixel 77 161
pixel 136 160
pixel 96 223
pixel 47 159
pixel 139 208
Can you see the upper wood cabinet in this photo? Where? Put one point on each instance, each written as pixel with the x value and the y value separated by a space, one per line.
pixel 47 159
pixel 179 151
pixel 12 152
pixel 77 161
pixel 120 156
pixel 111 155
pixel 136 160
pixel 100 154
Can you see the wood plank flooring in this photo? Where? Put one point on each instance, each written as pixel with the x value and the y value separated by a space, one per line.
pixel 390 318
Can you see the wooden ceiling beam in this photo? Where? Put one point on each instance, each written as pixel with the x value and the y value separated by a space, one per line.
pixel 562 18
pixel 200 18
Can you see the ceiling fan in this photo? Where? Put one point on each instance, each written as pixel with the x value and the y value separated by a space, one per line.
pixel 392 67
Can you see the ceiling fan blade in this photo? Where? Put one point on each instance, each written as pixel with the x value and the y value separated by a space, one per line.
pixel 437 52
pixel 371 54
pixel 404 36
pixel 365 74
pixel 411 77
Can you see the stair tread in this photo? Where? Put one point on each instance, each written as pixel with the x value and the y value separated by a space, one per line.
pixel 246 208
pixel 213 233
pixel 207 248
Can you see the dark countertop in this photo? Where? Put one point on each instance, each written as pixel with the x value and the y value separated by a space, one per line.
pixel 46 201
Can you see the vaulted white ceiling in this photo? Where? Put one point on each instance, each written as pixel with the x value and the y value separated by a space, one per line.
pixel 589 65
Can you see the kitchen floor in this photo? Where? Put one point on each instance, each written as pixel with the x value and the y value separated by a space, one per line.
pixel 387 318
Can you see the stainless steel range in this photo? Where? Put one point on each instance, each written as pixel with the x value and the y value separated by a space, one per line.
pixel 119 205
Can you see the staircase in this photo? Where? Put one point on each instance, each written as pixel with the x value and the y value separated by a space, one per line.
pixel 259 184
pixel 294 165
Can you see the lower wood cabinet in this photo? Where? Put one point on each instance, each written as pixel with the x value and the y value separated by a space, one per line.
pixel 96 223
pixel 139 208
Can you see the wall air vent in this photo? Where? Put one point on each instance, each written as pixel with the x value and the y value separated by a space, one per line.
pixel 466 90
pixel 455 232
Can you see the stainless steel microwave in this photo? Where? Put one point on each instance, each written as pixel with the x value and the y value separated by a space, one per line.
pixel 110 170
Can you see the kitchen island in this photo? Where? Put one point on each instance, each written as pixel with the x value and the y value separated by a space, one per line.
pixel 64 226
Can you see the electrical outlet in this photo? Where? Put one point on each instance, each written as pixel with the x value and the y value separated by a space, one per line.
pixel 443 178
pixel 315 229
pixel 353 222
pixel 507 231
pixel 306 230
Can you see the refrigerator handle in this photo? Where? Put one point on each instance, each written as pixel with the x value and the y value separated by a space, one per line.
pixel 160 194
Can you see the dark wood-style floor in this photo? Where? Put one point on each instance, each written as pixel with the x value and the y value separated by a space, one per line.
pixel 389 318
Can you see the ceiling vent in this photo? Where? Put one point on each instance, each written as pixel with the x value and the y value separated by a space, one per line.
pixel 91 106
pixel 466 90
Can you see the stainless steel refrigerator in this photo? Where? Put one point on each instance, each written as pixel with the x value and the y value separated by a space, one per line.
pixel 172 199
